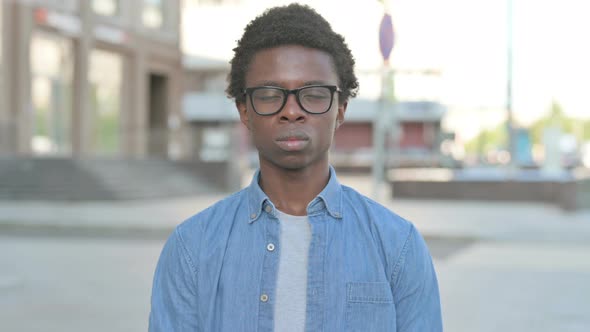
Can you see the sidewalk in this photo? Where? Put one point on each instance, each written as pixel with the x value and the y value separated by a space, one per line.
pixel 524 262
pixel 501 221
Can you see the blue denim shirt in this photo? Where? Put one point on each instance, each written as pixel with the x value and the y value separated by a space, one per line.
pixel 369 269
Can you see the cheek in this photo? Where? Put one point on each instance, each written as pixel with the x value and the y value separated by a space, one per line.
pixel 258 132
pixel 327 134
pixel 254 126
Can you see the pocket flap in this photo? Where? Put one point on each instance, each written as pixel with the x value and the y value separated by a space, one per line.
pixel 370 292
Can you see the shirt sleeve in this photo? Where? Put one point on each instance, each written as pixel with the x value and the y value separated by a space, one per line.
pixel 415 288
pixel 174 291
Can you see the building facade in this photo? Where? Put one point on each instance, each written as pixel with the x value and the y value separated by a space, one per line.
pixel 413 140
pixel 91 78
pixel 217 134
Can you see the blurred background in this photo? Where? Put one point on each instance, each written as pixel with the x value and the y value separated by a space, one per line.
pixel 472 121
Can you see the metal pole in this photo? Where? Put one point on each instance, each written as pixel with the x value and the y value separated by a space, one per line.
pixel 380 123
pixel 509 113
pixel 378 166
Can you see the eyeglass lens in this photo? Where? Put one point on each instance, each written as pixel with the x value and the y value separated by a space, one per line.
pixel 312 99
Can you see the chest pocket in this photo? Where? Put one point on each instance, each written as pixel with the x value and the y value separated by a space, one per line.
pixel 369 307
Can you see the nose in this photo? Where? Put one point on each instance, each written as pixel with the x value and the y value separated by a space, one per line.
pixel 292 111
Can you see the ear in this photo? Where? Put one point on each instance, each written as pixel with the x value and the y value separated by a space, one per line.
pixel 244 116
pixel 340 116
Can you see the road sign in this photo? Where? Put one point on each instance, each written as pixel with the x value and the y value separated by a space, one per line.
pixel 386 36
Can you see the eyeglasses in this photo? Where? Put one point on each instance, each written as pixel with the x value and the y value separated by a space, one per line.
pixel 269 100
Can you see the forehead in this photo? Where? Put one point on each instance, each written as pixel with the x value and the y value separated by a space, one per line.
pixel 291 66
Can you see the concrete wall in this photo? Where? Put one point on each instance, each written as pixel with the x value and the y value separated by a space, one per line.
pixel 570 194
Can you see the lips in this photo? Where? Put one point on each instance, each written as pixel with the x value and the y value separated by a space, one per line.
pixel 292 141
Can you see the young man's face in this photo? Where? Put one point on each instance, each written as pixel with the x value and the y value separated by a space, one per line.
pixel 292 139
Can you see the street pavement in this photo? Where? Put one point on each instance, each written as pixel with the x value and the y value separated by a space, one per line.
pixel 87 266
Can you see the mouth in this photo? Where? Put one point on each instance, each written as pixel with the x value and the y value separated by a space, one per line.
pixel 294 141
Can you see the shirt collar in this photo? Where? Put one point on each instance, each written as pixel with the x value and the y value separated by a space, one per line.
pixel 330 199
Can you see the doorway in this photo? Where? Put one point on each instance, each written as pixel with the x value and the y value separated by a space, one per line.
pixel 158 115
pixel 51 61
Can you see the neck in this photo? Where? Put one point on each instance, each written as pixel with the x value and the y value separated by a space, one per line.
pixel 292 190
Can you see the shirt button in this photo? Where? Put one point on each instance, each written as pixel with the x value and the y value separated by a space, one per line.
pixel 268 208
pixel 264 298
pixel 253 215
pixel 336 214
pixel 270 247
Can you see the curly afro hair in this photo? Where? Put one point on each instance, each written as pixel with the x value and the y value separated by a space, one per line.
pixel 294 24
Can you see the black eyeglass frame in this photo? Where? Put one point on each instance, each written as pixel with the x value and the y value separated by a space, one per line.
pixel 286 92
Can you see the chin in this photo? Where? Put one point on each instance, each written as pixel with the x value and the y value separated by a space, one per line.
pixel 293 162
pixel 297 164
pixel 293 165
pixel 289 163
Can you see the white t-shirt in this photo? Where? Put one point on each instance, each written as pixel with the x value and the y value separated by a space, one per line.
pixel 291 292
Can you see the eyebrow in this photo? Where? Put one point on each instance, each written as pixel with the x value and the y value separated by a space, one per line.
pixel 306 83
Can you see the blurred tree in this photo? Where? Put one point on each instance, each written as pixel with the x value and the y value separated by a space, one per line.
pixel 578 127
pixel 554 117
pixel 491 139
pixel 495 138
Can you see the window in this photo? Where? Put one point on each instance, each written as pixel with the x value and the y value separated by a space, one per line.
pixel 213 2
pixel 152 16
pixel 52 59
pixel 105 7
pixel 105 76
pixel 1 35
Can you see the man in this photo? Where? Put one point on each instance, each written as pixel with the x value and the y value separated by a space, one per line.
pixel 295 250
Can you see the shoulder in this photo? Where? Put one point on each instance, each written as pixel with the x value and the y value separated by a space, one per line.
pixel 214 218
pixel 374 212
pixel 388 228
pixel 400 241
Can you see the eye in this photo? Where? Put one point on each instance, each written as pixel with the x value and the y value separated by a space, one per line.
pixel 267 95
pixel 316 94
pixel 268 98
pixel 315 97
